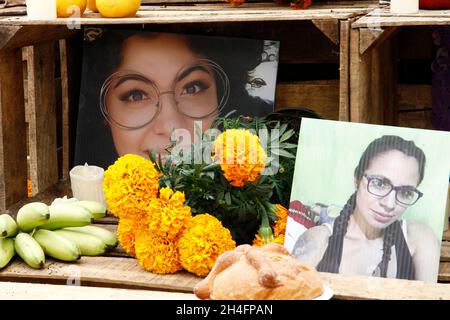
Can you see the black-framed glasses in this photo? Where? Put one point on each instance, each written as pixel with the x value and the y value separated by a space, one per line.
pixel 381 187
pixel 130 100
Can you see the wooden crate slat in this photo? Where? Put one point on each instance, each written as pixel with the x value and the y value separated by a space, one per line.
pixel 383 18
pixel 416 119
pixel 126 273
pixel 101 271
pixel 12 37
pixel 344 71
pixel 446 236
pixel 360 287
pixel 25 291
pixel 13 149
pixel 219 13
pixel 42 116
pixel 320 96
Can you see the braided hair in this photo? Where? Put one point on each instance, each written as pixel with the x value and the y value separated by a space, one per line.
pixel 393 235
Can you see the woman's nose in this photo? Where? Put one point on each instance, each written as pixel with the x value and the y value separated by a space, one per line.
pixel 389 201
pixel 168 118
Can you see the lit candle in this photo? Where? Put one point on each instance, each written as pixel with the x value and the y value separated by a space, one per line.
pixel 404 6
pixel 87 183
pixel 41 9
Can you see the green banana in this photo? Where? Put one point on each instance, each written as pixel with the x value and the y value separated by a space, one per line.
pixel 32 215
pixel 29 250
pixel 67 215
pixel 8 227
pixel 89 245
pixel 6 251
pixel 57 246
pixel 106 236
pixel 97 209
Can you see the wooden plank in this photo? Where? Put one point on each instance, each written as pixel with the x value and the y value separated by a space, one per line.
pixel 446 236
pixel 372 37
pixel 384 70
pixel 330 28
pixel 27 291
pixel 414 97
pixel 100 271
pixel 445 251
pixel 126 273
pixel 216 13
pixel 444 272
pixel 13 149
pixel 383 18
pixel 359 80
pixel 18 36
pixel 416 119
pixel 344 70
pixel 65 105
pixel 42 116
pixel 373 81
pixel 360 287
pixel 320 96
pixel 7 33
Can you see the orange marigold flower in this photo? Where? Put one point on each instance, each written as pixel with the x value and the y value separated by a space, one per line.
pixel 202 243
pixel 29 189
pixel 156 254
pixel 279 227
pixel 258 242
pixel 167 215
pixel 130 183
pixel 241 156
pixel 126 234
pixel 236 2
pixel 300 4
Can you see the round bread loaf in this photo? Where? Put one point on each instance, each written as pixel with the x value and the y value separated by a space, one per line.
pixel 267 273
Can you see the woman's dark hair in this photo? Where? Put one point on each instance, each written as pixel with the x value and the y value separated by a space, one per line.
pixel 236 57
pixel 393 235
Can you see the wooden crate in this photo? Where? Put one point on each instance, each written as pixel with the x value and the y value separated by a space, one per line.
pixel 320 36
pixel 379 42
pixel 316 37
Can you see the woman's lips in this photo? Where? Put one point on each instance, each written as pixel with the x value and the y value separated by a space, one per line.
pixel 381 217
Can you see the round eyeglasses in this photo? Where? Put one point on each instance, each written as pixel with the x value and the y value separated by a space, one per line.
pixel 381 187
pixel 131 101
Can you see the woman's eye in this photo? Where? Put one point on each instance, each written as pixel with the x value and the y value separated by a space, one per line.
pixel 406 194
pixel 378 183
pixel 134 96
pixel 194 88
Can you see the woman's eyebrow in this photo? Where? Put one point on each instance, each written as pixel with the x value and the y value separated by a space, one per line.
pixel 186 72
pixel 135 77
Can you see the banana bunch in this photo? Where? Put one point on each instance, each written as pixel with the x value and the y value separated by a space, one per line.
pixel 61 231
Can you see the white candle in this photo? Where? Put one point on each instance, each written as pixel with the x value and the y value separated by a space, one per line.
pixel 404 6
pixel 87 183
pixel 41 9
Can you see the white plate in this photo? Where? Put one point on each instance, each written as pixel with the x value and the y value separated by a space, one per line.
pixel 326 295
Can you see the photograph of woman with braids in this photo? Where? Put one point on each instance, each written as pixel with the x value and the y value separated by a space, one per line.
pixel 387 189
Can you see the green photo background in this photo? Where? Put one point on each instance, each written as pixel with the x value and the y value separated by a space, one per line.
pixel 329 151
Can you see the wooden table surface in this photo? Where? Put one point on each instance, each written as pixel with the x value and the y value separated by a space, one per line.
pixel 125 279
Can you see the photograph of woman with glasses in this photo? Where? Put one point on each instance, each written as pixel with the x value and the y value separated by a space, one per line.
pixel 138 87
pixel 370 236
